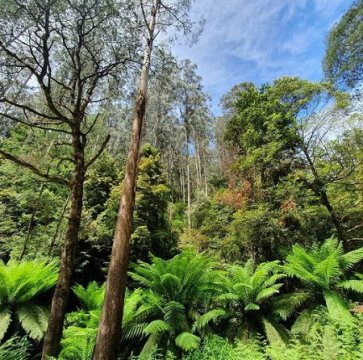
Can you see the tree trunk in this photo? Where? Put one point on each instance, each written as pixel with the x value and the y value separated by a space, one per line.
pixel 31 220
pixel 53 336
pixel 335 220
pixel 205 181
pixel 109 330
pixel 182 178
pixel 188 184
pixel 59 223
pixel 320 191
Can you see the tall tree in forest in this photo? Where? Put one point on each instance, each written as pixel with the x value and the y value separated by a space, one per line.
pixel 158 17
pixel 69 50
pixel 317 110
pixel 343 62
pixel 193 116
pixel 288 124
pixel 262 131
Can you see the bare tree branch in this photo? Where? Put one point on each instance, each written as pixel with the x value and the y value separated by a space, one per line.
pixel 100 151
pixel 35 170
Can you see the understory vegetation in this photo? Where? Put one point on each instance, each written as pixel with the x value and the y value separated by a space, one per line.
pixel 231 237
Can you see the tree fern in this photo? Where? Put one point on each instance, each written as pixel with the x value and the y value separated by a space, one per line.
pixel 177 299
pixel 80 334
pixel 252 297
pixel 91 296
pixel 20 284
pixel 325 270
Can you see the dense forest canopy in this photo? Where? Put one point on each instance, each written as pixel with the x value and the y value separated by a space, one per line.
pixel 137 224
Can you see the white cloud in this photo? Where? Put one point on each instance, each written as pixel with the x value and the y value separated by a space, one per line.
pixel 258 40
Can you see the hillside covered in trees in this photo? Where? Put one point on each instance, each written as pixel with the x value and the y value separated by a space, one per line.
pixel 138 223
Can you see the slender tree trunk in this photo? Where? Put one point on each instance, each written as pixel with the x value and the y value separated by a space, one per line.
pixel 52 339
pixel 55 236
pixel 196 160
pixel 335 220
pixel 320 191
pixel 31 220
pixel 197 171
pixel 182 178
pixel 199 163
pixel 205 180
pixel 188 184
pixel 109 330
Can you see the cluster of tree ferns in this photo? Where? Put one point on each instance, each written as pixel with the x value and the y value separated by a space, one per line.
pixel 202 237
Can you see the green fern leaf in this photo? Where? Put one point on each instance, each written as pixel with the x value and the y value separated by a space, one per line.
pixel 355 285
pixel 187 341
pixel 33 319
pixel 338 309
pixel 351 258
pixel 252 307
pixel 206 318
pixel 156 326
pixel 5 320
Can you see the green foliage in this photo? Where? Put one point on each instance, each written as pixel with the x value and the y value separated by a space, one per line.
pixel 151 230
pixel 102 176
pixel 263 131
pixel 16 348
pixel 325 270
pixel 183 301
pixel 79 336
pixel 91 297
pixel 254 233
pixel 30 209
pixel 20 285
pixel 328 341
pixel 177 301
pixel 252 296
pixel 343 59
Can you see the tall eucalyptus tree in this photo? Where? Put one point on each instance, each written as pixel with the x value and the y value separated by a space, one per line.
pixel 159 17
pixel 194 117
pixel 65 55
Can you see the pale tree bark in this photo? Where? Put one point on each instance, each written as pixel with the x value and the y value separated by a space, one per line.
pixel 182 183
pixel 109 331
pixel 189 195
pixel 205 173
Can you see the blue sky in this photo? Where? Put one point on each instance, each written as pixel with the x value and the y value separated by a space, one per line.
pixel 260 40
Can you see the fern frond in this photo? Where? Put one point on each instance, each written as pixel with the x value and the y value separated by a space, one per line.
pixel 274 331
pixel 156 326
pixel 34 320
pixel 338 309
pixel 351 258
pixel 354 285
pixel 268 292
pixel 206 318
pixel 285 305
pixel 5 320
pixel 328 268
pixel 91 296
pixel 187 341
pixel 252 307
